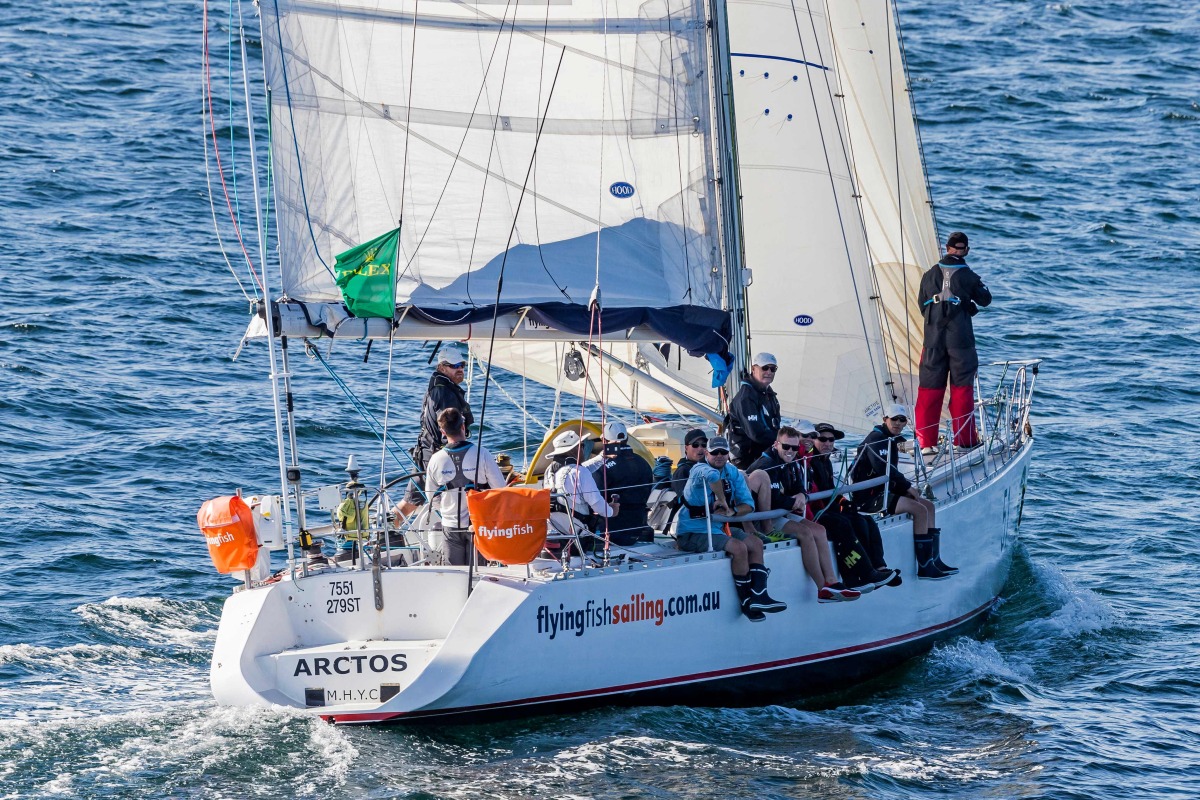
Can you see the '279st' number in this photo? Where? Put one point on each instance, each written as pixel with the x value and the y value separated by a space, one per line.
pixel 341 599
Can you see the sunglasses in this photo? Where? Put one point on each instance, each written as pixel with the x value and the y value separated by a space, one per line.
pixel 718 452
pixel 901 420
pixel 459 365
pixel 789 447
pixel 769 368
pixel 701 443
pixel 826 438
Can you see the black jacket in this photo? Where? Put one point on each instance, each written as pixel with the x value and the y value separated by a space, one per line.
pixel 948 324
pixel 679 477
pixel 787 478
pixel 442 393
pixel 820 472
pixel 752 422
pixel 623 472
pixel 872 462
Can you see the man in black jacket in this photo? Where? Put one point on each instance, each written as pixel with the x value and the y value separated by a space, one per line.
pixel 951 293
pixel 753 418
pixel 839 507
pixel 619 471
pixel 878 455
pixel 443 392
pixel 777 480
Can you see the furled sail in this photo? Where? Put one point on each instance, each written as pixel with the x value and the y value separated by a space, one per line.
pixel 569 143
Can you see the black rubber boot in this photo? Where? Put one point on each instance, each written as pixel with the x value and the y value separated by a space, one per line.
pixel 936 533
pixel 742 586
pixel 759 599
pixel 926 568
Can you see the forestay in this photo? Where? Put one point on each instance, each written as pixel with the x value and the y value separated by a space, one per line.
pixel 429 112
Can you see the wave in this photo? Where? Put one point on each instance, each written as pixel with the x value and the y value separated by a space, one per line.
pixel 154 620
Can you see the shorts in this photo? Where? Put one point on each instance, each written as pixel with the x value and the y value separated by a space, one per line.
pixel 698 542
pixel 414 494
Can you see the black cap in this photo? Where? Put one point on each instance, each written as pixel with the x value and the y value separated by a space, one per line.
pixel 956 239
pixel 825 427
pixel 693 435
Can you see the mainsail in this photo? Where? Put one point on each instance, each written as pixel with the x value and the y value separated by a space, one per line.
pixel 572 146
pixel 569 144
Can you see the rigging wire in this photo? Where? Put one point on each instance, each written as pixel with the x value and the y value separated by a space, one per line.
pixel 287 89
pixel 378 430
pixel 492 144
pixel 500 288
pixel 211 131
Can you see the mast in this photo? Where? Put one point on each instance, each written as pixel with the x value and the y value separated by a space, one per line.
pixel 737 277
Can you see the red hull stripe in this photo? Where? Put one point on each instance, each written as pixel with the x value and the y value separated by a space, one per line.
pixel 682 679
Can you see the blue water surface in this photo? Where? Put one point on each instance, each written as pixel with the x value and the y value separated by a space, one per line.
pixel 1064 137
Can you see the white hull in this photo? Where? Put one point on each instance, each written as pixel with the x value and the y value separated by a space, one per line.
pixel 319 643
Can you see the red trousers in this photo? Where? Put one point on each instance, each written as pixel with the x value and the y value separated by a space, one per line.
pixel 962 415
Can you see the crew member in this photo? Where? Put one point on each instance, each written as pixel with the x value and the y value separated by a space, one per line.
pixel 878 455
pixel 951 293
pixel 717 487
pixel 443 392
pixel 576 490
pixel 777 480
pixel 866 532
pixel 453 469
pixel 619 471
pixel 753 418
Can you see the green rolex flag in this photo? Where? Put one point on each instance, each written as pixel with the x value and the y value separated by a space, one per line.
pixel 364 274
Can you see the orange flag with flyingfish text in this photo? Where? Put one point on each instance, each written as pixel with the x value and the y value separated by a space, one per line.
pixel 510 523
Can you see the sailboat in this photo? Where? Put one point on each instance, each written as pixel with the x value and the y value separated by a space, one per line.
pixel 621 200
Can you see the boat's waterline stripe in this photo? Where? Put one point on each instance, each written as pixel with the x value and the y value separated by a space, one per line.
pixel 779 58
pixel 351 717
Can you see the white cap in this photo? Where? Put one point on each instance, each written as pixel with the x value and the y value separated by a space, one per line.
pixel 895 410
pixel 804 426
pixel 451 354
pixel 615 431
pixel 565 442
pixel 763 359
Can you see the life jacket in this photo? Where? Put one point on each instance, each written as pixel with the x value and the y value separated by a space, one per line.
pixel 460 482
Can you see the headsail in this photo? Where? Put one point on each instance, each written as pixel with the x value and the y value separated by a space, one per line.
pixel 431 113
pixel 830 233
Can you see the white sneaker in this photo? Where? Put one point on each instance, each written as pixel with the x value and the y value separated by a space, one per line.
pixel 929 451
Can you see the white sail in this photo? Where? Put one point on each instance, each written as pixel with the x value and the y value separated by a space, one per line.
pixel 897 216
pixel 431 112
pixel 543 362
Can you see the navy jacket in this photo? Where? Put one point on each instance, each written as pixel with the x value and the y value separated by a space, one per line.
pixel 753 422
pixel 442 393
pixel 872 462
pixel 622 471
pixel 948 324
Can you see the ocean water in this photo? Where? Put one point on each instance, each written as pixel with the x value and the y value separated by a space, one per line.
pixel 1064 137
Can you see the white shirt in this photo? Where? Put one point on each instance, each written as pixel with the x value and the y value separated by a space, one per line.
pixel 579 491
pixel 452 503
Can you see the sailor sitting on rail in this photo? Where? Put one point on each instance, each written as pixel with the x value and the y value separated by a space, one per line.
pixel 458 466
pixel 709 485
pixel 575 487
pixel 778 482
pixel 878 456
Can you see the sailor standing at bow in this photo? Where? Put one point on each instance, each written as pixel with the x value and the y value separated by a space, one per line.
pixel 950 295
